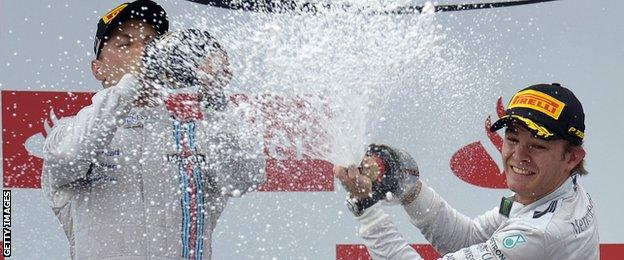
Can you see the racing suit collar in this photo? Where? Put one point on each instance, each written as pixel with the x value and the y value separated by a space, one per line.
pixel 565 188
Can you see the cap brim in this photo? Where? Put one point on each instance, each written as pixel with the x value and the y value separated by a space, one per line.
pixel 534 127
pixel 500 123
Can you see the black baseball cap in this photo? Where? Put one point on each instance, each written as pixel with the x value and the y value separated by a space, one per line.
pixel 549 111
pixel 144 10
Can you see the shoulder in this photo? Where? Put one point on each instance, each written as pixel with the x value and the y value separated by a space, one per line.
pixel 549 215
pixel 575 216
pixel 563 222
pixel 568 215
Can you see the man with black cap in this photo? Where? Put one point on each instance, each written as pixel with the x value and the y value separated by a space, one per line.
pixel 549 216
pixel 134 177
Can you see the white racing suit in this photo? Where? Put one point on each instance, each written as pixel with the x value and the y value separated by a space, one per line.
pixel 134 183
pixel 561 225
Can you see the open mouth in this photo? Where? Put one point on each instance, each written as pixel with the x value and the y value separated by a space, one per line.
pixel 521 171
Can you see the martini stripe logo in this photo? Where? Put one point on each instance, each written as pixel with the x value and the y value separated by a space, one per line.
pixel 191 188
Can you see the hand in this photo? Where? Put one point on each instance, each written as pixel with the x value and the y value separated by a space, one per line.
pixel 384 173
pixel 147 95
pixel 359 186
pixel 395 171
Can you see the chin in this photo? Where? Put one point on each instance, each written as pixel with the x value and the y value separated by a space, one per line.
pixel 516 186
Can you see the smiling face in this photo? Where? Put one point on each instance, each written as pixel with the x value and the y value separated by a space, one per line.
pixel 535 167
pixel 122 52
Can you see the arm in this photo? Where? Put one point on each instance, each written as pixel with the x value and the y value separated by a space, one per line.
pixel 515 241
pixel 71 146
pixel 444 227
pixel 382 238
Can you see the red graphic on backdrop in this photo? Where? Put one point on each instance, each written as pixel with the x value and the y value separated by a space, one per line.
pixel 474 165
pixel 349 252
pixel 427 252
pixel 294 138
pixel 292 164
pixel 25 116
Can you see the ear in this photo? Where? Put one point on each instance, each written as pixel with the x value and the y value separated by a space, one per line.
pixel 577 154
pixel 97 69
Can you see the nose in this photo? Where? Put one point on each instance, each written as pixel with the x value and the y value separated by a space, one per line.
pixel 521 153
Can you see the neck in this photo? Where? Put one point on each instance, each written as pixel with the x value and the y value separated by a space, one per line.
pixel 526 200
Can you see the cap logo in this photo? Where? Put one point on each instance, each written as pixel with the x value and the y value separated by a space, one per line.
pixel 539 101
pixel 578 133
pixel 108 17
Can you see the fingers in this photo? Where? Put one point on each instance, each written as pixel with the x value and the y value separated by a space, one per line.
pixel 362 187
pixel 358 186
pixel 340 173
pixel 352 172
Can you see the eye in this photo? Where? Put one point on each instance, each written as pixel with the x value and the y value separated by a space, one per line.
pixel 538 147
pixel 511 139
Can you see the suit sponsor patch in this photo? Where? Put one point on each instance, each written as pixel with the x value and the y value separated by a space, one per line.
pixel 513 240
